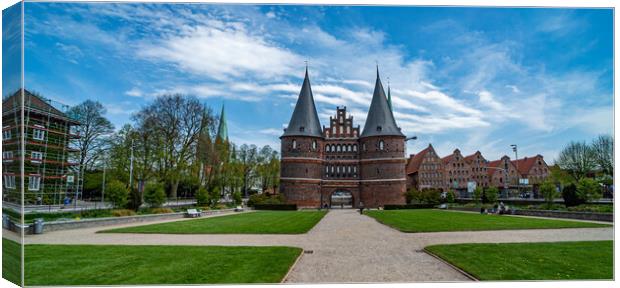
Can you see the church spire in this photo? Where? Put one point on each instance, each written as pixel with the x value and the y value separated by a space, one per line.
pixel 222 130
pixel 305 119
pixel 380 120
pixel 389 98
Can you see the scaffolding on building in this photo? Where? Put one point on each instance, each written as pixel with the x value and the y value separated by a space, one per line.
pixel 52 175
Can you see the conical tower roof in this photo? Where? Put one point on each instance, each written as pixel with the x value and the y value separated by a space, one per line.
pixel 305 119
pixel 389 96
pixel 380 120
pixel 222 130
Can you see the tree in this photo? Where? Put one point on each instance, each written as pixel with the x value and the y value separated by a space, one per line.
pixel 588 189
pixel 202 196
pixel 174 123
pixel 569 193
pixel 603 149
pixel 560 176
pixel 578 159
pixel 154 194
pixel 247 158
pixel 450 196
pixel 268 168
pixel 477 195
pixel 92 130
pixel 549 192
pixel 117 193
pixel 491 194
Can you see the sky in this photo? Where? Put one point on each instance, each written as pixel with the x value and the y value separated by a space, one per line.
pixel 468 78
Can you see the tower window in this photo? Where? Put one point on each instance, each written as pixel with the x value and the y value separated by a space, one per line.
pixel 381 145
pixel 379 128
pixel 354 148
pixel 294 144
pixel 327 148
pixel 314 145
pixel 302 128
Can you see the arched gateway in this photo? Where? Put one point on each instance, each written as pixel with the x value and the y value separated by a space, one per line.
pixel 341 199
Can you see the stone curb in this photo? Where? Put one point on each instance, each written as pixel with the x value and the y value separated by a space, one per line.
pixel 451 265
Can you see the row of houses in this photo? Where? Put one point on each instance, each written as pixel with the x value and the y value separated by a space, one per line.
pixel 462 174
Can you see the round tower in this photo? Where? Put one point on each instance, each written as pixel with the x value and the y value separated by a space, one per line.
pixel 382 149
pixel 301 148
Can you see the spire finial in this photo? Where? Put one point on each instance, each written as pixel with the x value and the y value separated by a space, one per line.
pixel 377 63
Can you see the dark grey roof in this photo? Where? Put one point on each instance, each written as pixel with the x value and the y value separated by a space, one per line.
pixel 380 120
pixel 305 119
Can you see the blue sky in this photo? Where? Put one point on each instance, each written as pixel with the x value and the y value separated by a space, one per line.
pixel 467 78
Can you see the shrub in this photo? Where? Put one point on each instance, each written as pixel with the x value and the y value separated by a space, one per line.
pixel 265 198
pixel 237 197
pixel 154 194
pixel 569 193
pixel 491 195
pixel 275 206
pixel 407 206
pixel 202 196
pixel 450 197
pixel 123 212
pixel 161 210
pixel 549 192
pixel 117 193
pixel 588 190
pixel 477 195
pixel 424 196
pixel 220 206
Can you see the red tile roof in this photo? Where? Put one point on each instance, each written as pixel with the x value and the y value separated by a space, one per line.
pixel 471 157
pixel 414 162
pixel 524 165
pixel 493 164
pixel 32 101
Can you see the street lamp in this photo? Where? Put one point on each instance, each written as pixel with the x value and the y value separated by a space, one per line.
pixel 407 139
pixel 514 148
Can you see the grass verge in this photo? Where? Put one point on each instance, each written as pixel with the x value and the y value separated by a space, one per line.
pixel 587 260
pixel 148 265
pixel 427 220
pixel 261 222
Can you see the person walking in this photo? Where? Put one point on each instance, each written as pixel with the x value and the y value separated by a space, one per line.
pixel 361 208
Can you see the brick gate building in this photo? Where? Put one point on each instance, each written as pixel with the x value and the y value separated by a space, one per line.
pixel 338 165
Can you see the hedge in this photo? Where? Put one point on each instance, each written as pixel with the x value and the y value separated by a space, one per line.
pixel 408 206
pixel 275 206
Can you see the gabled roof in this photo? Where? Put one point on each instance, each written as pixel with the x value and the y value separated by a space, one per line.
pixel 414 162
pixel 380 120
pixel 472 157
pixel 30 101
pixel 494 163
pixel 524 165
pixel 33 103
pixel 305 119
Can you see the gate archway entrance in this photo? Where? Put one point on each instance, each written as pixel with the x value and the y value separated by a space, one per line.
pixel 341 199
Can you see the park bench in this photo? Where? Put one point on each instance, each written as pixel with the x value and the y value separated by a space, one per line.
pixel 192 213
pixel 239 209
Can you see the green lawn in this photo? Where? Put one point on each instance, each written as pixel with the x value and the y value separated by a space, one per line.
pixel 261 222
pixel 11 260
pixel 428 220
pixel 531 261
pixel 132 265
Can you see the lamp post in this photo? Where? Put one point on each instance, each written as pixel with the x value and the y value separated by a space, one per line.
pixel 407 139
pixel 514 148
pixel 103 182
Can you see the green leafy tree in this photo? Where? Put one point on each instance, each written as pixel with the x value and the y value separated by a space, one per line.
pixel 603 149
pixel 237 198
pixel 549 192
pixel 578 158
pixel 569 193
pixel 588 189
pixel 154 194
pixel 477 195
pixel 450 196
pixel 117 193
pixel 202 197
pixel 492 194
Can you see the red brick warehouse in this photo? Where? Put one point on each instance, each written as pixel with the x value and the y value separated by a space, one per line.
pixel 336 165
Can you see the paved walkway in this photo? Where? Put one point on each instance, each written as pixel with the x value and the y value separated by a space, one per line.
pixel 346 246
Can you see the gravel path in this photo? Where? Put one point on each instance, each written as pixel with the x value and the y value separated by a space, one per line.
pixel 346 247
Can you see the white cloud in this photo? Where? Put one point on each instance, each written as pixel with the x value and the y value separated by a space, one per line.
pixel 222 52
pixel 134 92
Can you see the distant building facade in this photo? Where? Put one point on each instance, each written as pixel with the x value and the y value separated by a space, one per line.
pixel 51 170
pixel 338 165
pixel 463 172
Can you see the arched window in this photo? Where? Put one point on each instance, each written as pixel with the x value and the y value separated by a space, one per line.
pixel 294 144
pixel 313 144
pixel 349 148
pixel 381 145
pixel 333 148
pixel 327 148
pixel 339 148
pixel 364 146
pixel 355 148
